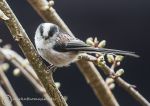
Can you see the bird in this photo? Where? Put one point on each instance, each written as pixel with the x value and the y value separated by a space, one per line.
pixel 60 49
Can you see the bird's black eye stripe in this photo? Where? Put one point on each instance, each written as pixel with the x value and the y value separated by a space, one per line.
pixel 52 31
pixel 41 29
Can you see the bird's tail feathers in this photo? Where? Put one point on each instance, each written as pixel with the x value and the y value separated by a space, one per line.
pixel 104 50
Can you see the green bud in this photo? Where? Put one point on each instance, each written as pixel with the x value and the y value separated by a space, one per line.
pixel 57 84
pixel 4 66
pixel 119 58
pixel 110 58
pixel 102 44
pixel 119 72
pixel 90 41
pixel 101 60
pixel 16 72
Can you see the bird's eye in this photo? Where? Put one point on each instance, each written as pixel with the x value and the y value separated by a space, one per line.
pixel 52 31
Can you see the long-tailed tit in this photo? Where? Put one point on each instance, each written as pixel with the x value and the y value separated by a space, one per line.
pixel 61 49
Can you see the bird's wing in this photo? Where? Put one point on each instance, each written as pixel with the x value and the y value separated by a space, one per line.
pixel 80 46
pixel 66 43
pixel 76 43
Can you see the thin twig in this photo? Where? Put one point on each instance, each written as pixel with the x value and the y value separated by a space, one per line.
pixel 9 88
pixel 38 87
pixel 27 67
pixel 28 49
pixel 125 85
pixel 49 14
pixel 12 57
pixel 130 89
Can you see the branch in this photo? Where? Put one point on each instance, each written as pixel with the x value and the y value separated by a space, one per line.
pixel 95 80
pixel 49 14
pixel 17 61
pixel 128 87
pixel 4 100
pixel 29 51
pixel 125 85
pixel 9 88
pixel 44 9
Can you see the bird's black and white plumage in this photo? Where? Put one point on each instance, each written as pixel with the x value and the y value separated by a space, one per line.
pixel 61 49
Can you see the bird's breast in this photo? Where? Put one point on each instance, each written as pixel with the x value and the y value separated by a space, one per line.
pixel 58 59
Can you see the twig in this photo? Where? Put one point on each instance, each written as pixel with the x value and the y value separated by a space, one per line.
pixel 48 13
pixel 38 87
pixel 126 86
pixel 12 57
pixel 4 99
pixel 28 49
pixel 9 88
pixel 27 67
pixel 130 89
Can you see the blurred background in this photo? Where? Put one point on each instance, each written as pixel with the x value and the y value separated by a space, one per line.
pixel 123 24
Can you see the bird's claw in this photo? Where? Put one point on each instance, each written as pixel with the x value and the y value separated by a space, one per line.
pixel 52 68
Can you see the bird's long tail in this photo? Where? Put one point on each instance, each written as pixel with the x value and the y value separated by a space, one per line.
pixel 103 50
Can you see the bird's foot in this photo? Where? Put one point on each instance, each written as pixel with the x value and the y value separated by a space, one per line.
pixel 52 68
